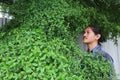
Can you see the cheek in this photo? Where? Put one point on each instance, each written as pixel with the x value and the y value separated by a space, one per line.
pixel 90 38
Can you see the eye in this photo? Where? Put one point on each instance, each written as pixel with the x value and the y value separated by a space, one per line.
pixel 88 32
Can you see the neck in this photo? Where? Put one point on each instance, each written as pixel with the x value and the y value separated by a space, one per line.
pixel 92 45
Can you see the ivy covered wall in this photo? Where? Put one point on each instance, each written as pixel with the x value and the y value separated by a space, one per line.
pixel 38 43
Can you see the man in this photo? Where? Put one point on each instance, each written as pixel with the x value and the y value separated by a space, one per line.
pixel 93 38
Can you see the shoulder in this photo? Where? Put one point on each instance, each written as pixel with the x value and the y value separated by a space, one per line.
pixel 106 55
pixel 98 49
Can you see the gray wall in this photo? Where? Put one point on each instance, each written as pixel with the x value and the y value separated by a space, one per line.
pixel 114 51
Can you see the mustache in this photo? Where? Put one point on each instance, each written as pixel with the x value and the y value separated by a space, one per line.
pixel 84 37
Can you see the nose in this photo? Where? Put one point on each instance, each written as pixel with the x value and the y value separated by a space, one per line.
pixel 84 34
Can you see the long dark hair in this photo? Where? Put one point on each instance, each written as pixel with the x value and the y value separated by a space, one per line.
pixel 98 30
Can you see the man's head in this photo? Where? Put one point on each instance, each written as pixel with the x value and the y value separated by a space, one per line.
pixel 92 34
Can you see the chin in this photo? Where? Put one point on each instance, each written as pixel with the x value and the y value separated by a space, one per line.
pixel 85 42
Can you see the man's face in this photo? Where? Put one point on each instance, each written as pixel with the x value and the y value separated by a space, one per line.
pixel 89 36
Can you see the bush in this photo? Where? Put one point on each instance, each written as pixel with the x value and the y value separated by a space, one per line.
pixel 38 44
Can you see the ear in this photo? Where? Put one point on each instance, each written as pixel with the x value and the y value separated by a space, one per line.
pixel 98 36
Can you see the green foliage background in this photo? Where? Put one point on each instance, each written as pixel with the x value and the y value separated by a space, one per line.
pixel 38 43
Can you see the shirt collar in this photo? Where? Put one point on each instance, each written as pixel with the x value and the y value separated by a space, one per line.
pixel 96 49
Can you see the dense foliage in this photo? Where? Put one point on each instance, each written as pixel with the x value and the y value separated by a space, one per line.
pixel 38 43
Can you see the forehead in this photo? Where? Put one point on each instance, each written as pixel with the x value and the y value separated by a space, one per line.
pixel 88 29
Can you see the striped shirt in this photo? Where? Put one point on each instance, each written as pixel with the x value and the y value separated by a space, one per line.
pixel 98 49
